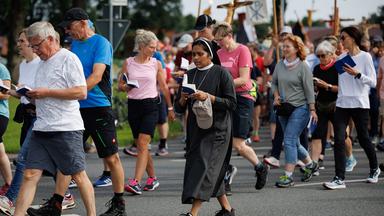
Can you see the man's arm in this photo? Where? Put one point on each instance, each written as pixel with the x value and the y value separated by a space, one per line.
pixel 73 93
pixel 96 75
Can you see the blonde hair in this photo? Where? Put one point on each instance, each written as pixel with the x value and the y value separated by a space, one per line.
pixel 298 44
pixel 143 38
pixel 222 29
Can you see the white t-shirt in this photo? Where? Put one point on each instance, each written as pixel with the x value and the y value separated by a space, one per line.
pixel 27 72
pixel 354 93
pixel 62 70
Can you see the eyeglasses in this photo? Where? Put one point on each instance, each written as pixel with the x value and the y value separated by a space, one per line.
pixel 321 55
pixel 37 46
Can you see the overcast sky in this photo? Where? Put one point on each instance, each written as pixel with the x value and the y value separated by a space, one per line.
pixel 348 8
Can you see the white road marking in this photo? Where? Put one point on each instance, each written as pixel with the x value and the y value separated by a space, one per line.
pixel 321 183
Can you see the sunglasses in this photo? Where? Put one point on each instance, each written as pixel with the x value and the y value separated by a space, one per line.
pixel 321 55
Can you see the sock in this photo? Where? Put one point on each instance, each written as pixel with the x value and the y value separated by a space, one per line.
pixel 119 195
pixel 255 133
pixel 162 143
pixel 58 198
pixel 106 173
pixel 289 174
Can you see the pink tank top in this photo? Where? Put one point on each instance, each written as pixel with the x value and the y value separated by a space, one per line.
pixel 146 75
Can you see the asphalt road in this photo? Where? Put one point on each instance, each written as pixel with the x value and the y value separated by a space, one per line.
pixel 309 198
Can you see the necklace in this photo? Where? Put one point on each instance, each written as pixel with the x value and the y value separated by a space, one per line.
pixel 205 75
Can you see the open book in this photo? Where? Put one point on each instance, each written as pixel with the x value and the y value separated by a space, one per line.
pixel 3 87
pixel 23 90
pixel 341 62
pixel 131 83
pixel 187 87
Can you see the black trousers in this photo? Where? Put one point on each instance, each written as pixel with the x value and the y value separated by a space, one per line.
pixel 361 118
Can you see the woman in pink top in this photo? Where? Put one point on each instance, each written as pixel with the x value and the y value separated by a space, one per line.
pixel 237 59
pixel 142 105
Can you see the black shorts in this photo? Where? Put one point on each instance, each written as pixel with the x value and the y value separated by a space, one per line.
pixel 99 123
pixel 258 100
pixel 143 116
pixel 163 110
pixel 3 126
pixel 242 117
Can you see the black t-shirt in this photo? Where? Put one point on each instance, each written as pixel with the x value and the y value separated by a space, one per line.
pixel 329 76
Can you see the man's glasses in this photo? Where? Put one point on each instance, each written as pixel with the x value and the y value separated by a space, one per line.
pixel 37 46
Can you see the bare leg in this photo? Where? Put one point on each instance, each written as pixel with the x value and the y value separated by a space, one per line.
pixel 5 166
pixel 348 147
pixel 150 167
pixel 27 191
pixel 62 182
pixel 86 191
pixel 105 163
pixel 245 151
pixel 256 119
pixel 316 149
pixel 224 203
pixel 196 205
pixel 142 156
pixel 117 172
pixel 163 130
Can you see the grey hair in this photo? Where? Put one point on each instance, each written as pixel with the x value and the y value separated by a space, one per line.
pixel 143 37
pixel 326 47
pixel 41 29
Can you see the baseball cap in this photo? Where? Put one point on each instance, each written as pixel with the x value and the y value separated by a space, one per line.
pixel 203 113
pixel 286 29
pixel 184 40
pixel 203 21
pixel 73 14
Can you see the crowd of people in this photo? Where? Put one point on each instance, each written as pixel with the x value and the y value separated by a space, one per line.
pixel 220 89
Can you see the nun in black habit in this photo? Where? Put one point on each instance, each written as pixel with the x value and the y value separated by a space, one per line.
pixel 209 130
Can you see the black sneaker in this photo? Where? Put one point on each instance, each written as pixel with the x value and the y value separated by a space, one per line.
pixel 261 175
pixel 225 212
pixel 186 214
pixel 309 171
pixel 51 208
pixel 227 188
pixel 116 207
pixel 381 166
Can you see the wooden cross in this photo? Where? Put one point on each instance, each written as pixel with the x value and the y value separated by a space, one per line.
pixel 231 7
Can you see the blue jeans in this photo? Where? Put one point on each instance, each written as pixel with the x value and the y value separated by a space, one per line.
pixel 17 179
pixel 292 127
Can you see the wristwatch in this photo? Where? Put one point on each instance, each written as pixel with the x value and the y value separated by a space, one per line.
pixel 329 88
pixel 358 76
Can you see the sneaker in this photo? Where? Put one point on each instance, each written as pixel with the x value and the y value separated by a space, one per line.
pixel 186 214
pixel 72 184
pixel 103 181
pixel 300 163
pixel 151 184
pixel 321 164
pixel 261 174
pixel 133 187
pixel 248 141
pixel 381 166
pixel 68 202
pixel 227 188
pixel 4 189
pixel 116 207
pixel 285 182
pixel 380 146
pixel 350 164
pixel 132 151
pixel 336 183
pixel 256 138
pixel 230 173
pixel 374 176
pixel 51 208
pixel 161 152
pixel 309 171
pixel 6 206
pixel 272 161
pixel 225 212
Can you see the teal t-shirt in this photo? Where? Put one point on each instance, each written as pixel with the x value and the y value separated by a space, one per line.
pixel 4 75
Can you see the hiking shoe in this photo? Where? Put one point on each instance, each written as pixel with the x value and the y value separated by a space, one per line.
pixel 230 174
pixel 51 208
pixel 350 164
pixel 321 164
pixel 261 175
pixel 4 189
pixel 116 207
pixel 68 202
pixel 6 206
pixel 161 152
pixel 103 181
pixel 336 183
pixel 272 161
pixel 284 182
pixel 132 151
pixel 309 171
pixel 133 187
pixel 225 212
pixel 374 176
pixel 72 184
pixel 151 184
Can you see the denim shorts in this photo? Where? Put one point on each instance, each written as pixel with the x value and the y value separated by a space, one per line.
pixel 242 117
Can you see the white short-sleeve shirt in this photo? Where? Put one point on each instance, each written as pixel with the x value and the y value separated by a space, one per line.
pixel 62 70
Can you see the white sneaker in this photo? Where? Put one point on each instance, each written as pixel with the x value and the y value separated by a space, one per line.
pixel 374 176
pixel 272 161
pixel 350 164
pixel 336 183
pixel 68 202
pixel 6 206
pixel 72 184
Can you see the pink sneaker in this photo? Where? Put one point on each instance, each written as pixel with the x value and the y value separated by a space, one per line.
pixel 151 184
pixel 133 186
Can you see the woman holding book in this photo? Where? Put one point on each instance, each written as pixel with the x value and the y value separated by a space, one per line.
pixel 209 130
pixel 353 102
pixel 146 72
pixel 292 86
